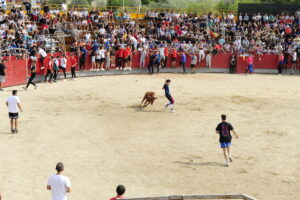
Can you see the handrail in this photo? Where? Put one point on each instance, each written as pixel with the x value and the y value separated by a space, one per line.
pixel 129 9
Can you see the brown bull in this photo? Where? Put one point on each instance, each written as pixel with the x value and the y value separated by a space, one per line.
pixel 149 98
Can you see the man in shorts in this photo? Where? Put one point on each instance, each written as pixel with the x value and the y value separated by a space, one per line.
pixel 223 129
pixel 13 103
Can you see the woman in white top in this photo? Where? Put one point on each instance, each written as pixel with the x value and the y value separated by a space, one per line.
pixel 294 62
pixel 63 65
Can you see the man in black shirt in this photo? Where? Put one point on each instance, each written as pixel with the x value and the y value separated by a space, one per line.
pixel 223 129
pixel 27 5
pixel 2 74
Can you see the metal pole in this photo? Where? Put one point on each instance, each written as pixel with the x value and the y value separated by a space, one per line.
pixel 123 4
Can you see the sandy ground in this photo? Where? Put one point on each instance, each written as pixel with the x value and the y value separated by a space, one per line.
pixel 94 126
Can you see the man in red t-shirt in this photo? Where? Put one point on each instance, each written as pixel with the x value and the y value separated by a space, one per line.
pixel 127 57
pixel 120 192
pixel 174 57
pixel 73 65
pixel 166 52
pixel 121 58
pixel 49 70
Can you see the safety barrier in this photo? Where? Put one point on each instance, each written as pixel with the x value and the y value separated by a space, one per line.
pixel 196 197
pixel 17 72
pixel 267 62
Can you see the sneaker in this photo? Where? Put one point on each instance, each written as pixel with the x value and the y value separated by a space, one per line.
pixel 129 68
pixel 230 159
pixel 1 89
pixel 166 106
pixel 12 130
pixel 25 88
pixel 35 87
pixel 172 110
pixel 16 130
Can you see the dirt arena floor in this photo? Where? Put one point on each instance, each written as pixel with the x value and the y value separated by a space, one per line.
pixel 95 127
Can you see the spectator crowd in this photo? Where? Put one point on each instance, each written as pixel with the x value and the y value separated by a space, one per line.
pixel 110 38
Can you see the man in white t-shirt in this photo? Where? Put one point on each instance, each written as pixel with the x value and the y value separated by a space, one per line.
pixel 63 65
pixel 13 103
pixel 43 55
pixel 59 184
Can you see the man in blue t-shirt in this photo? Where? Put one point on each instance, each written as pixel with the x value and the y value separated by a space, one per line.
pixel 168 95
pixel 183 60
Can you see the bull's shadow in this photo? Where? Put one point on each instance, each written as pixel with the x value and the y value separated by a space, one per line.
pixel 138 108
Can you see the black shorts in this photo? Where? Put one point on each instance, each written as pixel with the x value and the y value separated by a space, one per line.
pixel 294 62
pixel 98 60
pixel 102 60
pixel 13 115
pixel 119 62
pixel 129 58
pixel 193 65
pixel 173 59
pixel 125 60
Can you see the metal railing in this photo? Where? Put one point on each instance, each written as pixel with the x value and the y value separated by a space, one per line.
pixel 130 9
pixel 196 197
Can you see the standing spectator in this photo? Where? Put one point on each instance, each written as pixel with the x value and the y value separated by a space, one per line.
pixel 157 60
pixel 127 57
pixel 102 58
pixel 183 60
pixel 143 54
pixel 63 65
pixel 2 73
pixel 280 62
pixel 208 60
pixel 223 129
pixel 82 58
pixel 13 103
pixel 27 5
pixel 32 76
pixel 59 184
pixel 151 63
pixel 73 65
pixel 232 63
pixel 201 55
pixel 46 7
pixel 250 64
pixel 55 68
pixel 174 57
pixel 64 6
pixel 49 70
pixel 107 59
pixel 43 55
pixel 120 192
pixel 166 52
pixel 193 63
pixel 286 56
pixel 294 62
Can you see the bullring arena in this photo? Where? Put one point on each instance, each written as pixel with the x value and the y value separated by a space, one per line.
pixel 91 65
pixel 96 127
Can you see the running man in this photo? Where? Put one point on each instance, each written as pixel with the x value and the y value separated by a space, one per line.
pixel 32 76
pixel 223 129
pixel 13 103
pixel 168 95
pixel 120 192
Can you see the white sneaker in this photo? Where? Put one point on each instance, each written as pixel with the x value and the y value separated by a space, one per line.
pixel 166 106
pixel 129 68
pixel 230 159
pixel 172 110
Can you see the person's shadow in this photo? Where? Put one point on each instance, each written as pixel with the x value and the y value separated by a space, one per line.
pixel 214 164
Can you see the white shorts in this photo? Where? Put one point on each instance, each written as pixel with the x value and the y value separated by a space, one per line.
pixel 93 59
pixel 2 79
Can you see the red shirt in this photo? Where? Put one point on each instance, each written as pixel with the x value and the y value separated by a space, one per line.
pixel 121 53
pixel 174 53
pixel 166 51
pixel 127 52
pixel 73 61
pixel 117 197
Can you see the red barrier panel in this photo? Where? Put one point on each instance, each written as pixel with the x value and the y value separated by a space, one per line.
pixel 218 61
pixel 15 73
